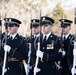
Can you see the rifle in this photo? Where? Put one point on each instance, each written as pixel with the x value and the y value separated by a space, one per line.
pixel 29 53
pixel 73 71
pixel 5 62
pixel 37 58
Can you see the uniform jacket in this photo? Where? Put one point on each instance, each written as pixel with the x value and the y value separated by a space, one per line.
pixel 18 52
pixel 64 65
pixel 70 54
pixel 51 55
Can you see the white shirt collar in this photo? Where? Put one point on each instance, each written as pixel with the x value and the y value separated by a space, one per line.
pixel 66 36
pixel 13 36
pixel 47 35
pixel 8 34
pixel 37 35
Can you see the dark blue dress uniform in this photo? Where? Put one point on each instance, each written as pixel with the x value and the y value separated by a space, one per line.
pixel 33 39
pixel 50 49
pixel 65 43
pixel 70 54
pixel 18 50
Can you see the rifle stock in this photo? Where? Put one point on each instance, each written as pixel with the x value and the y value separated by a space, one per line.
pixel 29 52
pixel 36 69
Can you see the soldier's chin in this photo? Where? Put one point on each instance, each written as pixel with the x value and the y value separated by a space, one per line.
pixel 64 32
pixel 43 32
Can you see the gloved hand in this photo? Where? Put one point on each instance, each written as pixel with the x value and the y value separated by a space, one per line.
pixel 36 69
pixel 73 70
pixel 74 52
pixel 39 54
pixel 63 53
pixel 28 68
pixel 7 48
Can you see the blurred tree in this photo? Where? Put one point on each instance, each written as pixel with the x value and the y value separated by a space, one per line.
pixel 59 12
pixel 43 1
pixel 21 9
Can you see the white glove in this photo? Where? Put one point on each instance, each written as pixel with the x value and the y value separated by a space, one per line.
pixel 28 68
pixel 39 54
pixel 36 69
pixel 73 71
pixel 4 71
pixel 7 48
pixel 63 53
pixel 74 51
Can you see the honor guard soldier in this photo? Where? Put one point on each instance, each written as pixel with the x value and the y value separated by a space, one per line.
pixel 65 40
pixel 16 47
pixel 70 56
pixel 33 39
pixel 49 52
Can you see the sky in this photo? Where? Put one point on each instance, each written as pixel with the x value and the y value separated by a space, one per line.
pixel 69 3
pixel 66 4
pixel 52 3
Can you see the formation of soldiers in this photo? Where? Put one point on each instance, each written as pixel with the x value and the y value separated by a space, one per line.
pixel 43 52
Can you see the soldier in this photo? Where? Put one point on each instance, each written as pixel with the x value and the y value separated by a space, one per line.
pixel 70 55
pixel 65 40
pixel 49 52
pixel 2 37
pixel 16 47
pixel 33 40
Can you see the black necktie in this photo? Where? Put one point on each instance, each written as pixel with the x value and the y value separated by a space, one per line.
pixel 44 40
pixel 64 38
pixel 11 38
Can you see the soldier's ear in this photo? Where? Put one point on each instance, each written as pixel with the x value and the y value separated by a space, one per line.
pixel 69 27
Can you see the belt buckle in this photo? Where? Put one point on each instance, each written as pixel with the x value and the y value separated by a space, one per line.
pixel 12 59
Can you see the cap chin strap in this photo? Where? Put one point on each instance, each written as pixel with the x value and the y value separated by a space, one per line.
pixel 12 22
